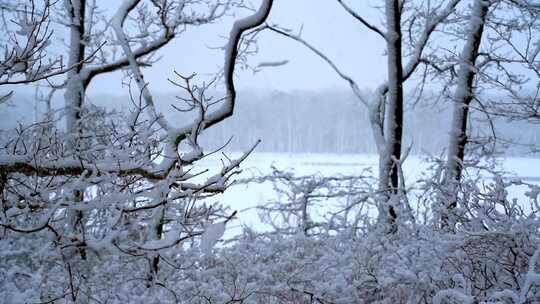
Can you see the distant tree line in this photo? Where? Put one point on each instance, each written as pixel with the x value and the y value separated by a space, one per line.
pixel 326 121
pixel 333 121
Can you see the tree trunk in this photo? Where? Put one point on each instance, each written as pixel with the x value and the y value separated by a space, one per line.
pixel 463 96
pixel 74 98
pixel 388 171
pixel 75 91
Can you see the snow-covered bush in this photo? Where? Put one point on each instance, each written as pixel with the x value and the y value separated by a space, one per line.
pixel 112 208
pixel 99 210
pixel 489 257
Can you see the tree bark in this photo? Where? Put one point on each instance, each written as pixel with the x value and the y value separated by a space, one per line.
pixel 463 96
pixel 389 160
pixel 75 89
pixel 74 98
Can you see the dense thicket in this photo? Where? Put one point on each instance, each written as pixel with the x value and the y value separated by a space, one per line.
pixel 102 206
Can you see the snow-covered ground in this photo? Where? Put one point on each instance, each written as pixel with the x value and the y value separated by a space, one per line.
pixel 245 199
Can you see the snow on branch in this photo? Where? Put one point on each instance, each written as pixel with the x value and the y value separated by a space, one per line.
pixel 362 20
pixel 298 38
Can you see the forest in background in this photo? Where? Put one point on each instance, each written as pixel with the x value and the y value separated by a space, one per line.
pixel 326 121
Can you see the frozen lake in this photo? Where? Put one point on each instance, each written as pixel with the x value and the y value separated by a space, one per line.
pixel 245 198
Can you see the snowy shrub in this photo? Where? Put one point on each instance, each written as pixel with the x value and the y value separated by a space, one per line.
pixel 114 208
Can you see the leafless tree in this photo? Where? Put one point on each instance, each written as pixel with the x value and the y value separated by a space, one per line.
pixel 490 79
pixel 25 45
pixel 114 185
pixel 307 204
pixel 386 104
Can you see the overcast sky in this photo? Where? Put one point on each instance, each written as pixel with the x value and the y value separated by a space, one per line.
pixel 326 25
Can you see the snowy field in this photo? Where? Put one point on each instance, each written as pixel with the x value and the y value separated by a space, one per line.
pixel 245 198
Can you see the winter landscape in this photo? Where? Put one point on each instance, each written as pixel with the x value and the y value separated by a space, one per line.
pixel 270 151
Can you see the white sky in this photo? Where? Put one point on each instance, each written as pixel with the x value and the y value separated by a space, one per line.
pixel 326 25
